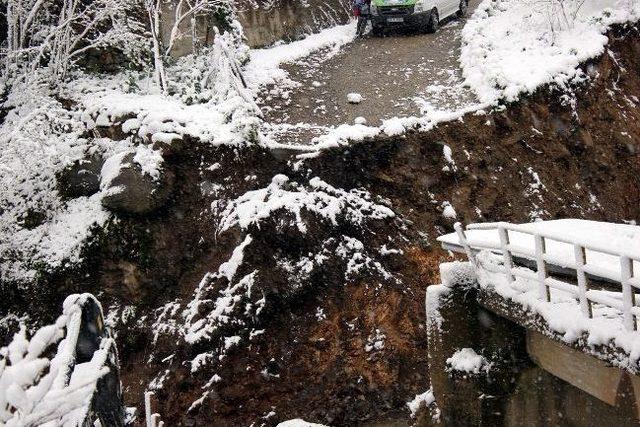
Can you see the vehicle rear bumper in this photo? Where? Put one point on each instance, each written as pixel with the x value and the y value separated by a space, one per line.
pixel 414 19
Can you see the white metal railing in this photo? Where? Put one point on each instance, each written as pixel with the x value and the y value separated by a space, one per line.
pixel 624 301
pixel 152 420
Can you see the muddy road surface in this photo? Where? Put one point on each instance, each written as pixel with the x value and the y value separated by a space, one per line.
pixel 404 73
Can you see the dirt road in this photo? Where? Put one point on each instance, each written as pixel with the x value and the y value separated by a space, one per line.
pixel 402 74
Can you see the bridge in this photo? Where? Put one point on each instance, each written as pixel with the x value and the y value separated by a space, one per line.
pixel 558 295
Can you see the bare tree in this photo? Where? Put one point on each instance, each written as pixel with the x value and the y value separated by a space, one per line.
pixel 185 11
pixel 55 34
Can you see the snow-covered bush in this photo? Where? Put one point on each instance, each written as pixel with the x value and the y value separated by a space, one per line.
pixel 39 389
pixel 184 12
pixel 56 35
pixel 512 47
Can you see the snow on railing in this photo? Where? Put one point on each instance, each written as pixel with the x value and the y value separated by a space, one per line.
pixel 151 419
pixel 61 390
pixel 624 275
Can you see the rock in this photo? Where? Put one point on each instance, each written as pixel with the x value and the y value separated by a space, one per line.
pixel 354 98
pixel 81 178
pixel 128 189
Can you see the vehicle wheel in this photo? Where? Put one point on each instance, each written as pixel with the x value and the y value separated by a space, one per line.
pixel 377 30
pixel 434 22
pixel 462 11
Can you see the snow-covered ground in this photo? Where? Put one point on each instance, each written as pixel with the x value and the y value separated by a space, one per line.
pixel 42 230
pixel 264 65
pixel 512 47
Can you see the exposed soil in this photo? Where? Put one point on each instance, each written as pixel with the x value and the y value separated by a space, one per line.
pixel 314 363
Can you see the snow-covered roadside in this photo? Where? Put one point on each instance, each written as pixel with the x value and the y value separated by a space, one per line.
pixel 512 47
pixel 263 67
pixel 394 127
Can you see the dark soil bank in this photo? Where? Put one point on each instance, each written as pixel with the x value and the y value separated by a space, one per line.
pixel 548 156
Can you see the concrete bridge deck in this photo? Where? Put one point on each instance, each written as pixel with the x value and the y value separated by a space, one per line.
pixel 559 296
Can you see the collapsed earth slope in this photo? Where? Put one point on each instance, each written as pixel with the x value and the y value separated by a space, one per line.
pixel 270 288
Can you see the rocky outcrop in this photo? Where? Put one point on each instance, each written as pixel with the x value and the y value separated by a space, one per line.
pixel 81 178
pixel 130 189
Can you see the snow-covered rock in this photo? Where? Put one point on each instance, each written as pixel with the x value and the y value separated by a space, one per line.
pixel 354 98
pixel 467 360
pixel 426 399
pixel 135 181
pixel 448 211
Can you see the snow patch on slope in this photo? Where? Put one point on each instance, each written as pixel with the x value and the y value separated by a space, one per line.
pixel 264 64
pixel 319 197
pixel 512 47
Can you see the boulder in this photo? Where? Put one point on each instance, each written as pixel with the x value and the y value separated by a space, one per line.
pixel 128 188
pixel 81 178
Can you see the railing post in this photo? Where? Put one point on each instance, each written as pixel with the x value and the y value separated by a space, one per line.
pixel 147 408
pixel 581 259
pixel 506 253
pixel 544 292
pixel 463 241
pixel 628 296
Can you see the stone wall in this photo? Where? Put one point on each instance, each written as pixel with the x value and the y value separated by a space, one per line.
pixel 267 21
pixel 264 21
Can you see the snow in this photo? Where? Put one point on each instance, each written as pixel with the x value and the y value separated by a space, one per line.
pixel 448 157
pixel 609 237
pixel 360 121
pixel 354 98
pixel 426 398
pixel 38 390
pixel 448 211
pixel 375 341
pixel 317 197
pixel 200 328
pixel 563 313
pixel 149 160
pixel 41 136
pixel 264 64
pixel 299 423
pixel 467 360
pixel 111 169
pixel 393 127
pixel 457 273
pixel 512 47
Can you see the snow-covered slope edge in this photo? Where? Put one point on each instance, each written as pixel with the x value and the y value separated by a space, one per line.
pixel 512 47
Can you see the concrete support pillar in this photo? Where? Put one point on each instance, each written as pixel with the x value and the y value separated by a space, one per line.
pixel 455 320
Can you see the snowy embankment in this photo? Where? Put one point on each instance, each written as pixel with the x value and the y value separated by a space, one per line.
pixel 102 117
pixel 513 47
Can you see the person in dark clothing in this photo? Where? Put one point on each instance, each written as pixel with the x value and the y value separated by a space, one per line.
pixel 361 10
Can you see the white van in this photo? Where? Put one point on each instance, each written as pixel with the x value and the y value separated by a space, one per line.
pixel 422 14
